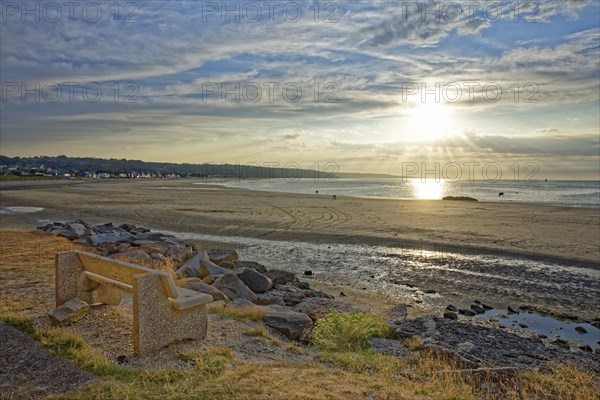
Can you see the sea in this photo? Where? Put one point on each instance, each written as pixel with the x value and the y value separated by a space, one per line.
pixel 558 193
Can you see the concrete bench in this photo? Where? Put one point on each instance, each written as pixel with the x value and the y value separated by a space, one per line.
pixel 162 311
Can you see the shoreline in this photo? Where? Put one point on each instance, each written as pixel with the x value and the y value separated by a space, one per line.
pixel 533 214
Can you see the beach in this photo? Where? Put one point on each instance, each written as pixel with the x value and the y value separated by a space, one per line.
pixel 426 252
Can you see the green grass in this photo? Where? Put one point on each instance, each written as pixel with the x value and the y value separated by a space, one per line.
pixel 347 332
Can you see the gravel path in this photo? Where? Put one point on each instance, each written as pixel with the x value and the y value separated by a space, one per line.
pixel 28 371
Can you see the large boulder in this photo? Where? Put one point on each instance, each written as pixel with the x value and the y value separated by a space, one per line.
pixel 219 255
pixel 179 252
pixel 197 285
pixel 79 229
pixel 264 299
pixel 68 312
pixel 280 277
pixel 198 266
pixel 319 307
pixel 256 281
pixel 292 324
pixel 253 265
pixel 234 288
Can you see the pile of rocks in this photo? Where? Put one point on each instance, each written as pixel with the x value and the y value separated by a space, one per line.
pixel 125 241
pixel 290 306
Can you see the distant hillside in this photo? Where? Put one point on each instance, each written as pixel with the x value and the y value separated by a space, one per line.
pixel 113 166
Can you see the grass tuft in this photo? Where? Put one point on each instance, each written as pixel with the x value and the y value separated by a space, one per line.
pixel 256 331
pixel 347 332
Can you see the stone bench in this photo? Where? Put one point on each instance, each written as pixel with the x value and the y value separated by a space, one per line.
pixel 162 311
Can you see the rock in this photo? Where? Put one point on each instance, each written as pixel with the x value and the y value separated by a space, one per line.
pixel 342 294
pixel 69 312
pixel 280 277
pixel 293 295
pixel 292 324
pixel 253 265
pixel 180 252
pixel 318 307
pixel 106 249
pixel 158 257
pixel 477 308
pixel 227 265
pixel 308 273
pixel 486 307
pixel 79 229
pixel 459 198
pixel 137 256
pixel 67 233
pixel 191 268
pixel 511 310
pixel 580 329
pixel 234 288
pixel 450 315
pixel 198 285
pixel 256 281
pixel 451 308
pixel 424 327
pixel 139 242
pixel 123 247
pixel 389 347
pixel 219 255
pixel 198 266
pixel 467 313
pixel 586 348
pixel 397 315
pixel 209 268
pixel 237 303
pixel 265 299
pixel 104 228
pixel 148 248
pixel 106 238
pixel 208 279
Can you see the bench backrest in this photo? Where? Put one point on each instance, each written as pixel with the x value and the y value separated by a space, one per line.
pixel 107 270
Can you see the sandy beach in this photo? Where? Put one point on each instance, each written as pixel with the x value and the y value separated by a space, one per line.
pixel 556 248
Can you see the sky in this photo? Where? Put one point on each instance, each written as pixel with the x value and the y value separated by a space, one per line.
pixel 443 88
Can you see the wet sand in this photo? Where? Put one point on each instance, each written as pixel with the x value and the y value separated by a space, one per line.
pixel 557 249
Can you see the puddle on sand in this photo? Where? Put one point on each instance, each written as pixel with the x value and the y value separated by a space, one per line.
pixel 546 325
pixel 19 210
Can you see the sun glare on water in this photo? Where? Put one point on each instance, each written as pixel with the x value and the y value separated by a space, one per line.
pixel 428 189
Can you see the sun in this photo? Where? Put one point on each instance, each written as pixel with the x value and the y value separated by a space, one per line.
pixel 428 121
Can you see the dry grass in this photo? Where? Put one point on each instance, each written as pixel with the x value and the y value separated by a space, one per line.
pixel 256 331
pixel 253 313
pixel 558 382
